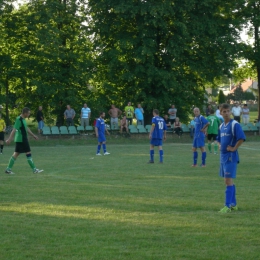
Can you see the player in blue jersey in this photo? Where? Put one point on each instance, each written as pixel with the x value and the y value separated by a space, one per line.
pixel 201 124
pixel 157 135
pixel 230 137
pixel 100 130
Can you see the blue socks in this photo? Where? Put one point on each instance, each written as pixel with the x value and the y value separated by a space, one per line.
pixel 161 155
pixel 229 196
pixel 104 148
pixel 195 157
pixel 152 155
pixel 234 200
pixel 204 155
pixel 98 148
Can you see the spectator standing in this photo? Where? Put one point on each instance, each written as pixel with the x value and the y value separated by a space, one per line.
pixel 172 112
pixel 245 114
pixel 40 119
pixel 208 110
pixel 219 116
pixel 114 113
pixel 167 122
pixel 236 112
pixel 139 114
pixel 69 115
pixel 2 133
pixel 129 112
pixel 85 115
pixel 123 125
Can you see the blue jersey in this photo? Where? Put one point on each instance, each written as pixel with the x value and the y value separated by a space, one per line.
pixel 101 126
pixel 228 135
pixel 159 127
pixel 199 121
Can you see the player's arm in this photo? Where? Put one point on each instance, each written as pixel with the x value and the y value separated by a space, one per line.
pixel 81 114
pixel 109 112
pixel 31 133
pixel 107 131
pixel 151 131
pixel 96 131
pixel 10 139
pixel 233 149
pixel 74 113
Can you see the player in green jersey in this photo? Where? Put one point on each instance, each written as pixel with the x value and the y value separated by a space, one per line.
pixel 21 141
pixel 212 131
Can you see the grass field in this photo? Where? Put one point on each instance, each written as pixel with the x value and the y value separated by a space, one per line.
pixel 119 207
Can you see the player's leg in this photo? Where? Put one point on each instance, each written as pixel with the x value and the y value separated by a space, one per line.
pixel 209 143
pixel 11 163
pixel 104 146
pixel 98 148
pixel 228 171
pixel 203 156
pixel 215 147
pixel 195 156
pixel 161 153
pixel 39 127
pixel 2 138
pixel 151 152
pixel 31 163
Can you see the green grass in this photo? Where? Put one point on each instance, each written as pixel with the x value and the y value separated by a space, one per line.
pixel 118 207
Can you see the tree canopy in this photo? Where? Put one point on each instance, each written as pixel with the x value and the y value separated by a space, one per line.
pixel 59 52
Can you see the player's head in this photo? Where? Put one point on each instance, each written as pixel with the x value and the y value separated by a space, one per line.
pixel 209 106
pixel 102 114
pixel 139 105
pixel 26 112
pixel 155 112
pixel 85 105
pixel 245 105
pixel 173 106
pixel 196 111
pixel 166 116
pixel 225 111
pixel 68 107
pixel 177 119
pixel 40 107
pixel 129 103
pixel 236 104
pixel 212 111
pixel 112 106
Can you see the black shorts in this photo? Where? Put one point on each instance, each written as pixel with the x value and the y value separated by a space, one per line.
pixel 212 136
pixel 23 147
pixel 2 136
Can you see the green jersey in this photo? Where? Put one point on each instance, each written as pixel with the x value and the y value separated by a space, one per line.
pixel 129 111
pixel 21 130
pixel 214 124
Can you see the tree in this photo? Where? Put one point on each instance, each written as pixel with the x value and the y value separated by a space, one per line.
pixel 221 97
pixel 249 12
pixel 161 52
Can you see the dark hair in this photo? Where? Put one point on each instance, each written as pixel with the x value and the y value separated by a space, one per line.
pixel 101 113
pixel 224 106
pixel 156 111
pixel 212 111
pixel 245 105
pixel 25 110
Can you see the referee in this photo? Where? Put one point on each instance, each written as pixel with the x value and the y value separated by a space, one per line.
pixel 21 141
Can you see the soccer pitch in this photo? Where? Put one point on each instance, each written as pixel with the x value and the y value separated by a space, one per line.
pixel 119 207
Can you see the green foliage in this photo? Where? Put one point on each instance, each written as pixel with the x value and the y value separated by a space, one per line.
pixel 161 52
pixel 221 97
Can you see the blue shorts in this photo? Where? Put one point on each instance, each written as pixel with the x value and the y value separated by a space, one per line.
pixel 101 138
pixel 156 142
pixel 199 141
pixel 40 125
pixel 228 170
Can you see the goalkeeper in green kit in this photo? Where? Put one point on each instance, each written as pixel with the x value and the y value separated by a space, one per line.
pixel 212 131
